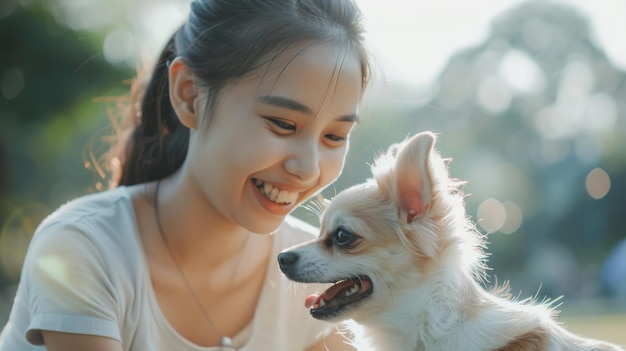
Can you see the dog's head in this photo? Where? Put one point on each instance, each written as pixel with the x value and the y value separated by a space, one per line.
pixel 387 237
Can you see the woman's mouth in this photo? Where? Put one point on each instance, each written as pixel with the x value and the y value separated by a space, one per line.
pixel 274 194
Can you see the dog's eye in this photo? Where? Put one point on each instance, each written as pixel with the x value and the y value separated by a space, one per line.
pixel 343 238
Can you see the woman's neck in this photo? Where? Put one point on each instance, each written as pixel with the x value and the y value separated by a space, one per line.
pixel 193 228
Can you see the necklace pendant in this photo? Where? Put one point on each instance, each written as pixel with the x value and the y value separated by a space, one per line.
pixel 225 341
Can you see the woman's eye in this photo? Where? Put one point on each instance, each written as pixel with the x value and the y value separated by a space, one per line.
pixel 282 124
pixel 344 238
pixel 335 138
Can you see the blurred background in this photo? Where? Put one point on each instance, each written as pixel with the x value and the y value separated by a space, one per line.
pixel 529 99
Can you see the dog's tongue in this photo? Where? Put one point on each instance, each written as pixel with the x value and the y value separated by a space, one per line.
pixel 329 294
pixel 312 300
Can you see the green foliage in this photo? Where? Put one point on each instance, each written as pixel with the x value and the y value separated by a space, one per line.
pixel 62 71
pixel 59 66
pixel 49 76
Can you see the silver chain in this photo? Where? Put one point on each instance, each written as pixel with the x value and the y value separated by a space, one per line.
pixel 226 343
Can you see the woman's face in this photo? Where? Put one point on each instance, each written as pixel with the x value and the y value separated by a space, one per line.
pixel 275 140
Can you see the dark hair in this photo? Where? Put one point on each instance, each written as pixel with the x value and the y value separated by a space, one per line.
pixel 223 40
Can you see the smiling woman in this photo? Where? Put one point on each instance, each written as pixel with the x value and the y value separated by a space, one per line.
pixel 246 115
pixel 296 111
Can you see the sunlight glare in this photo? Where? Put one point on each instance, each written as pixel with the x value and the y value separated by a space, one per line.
pixel 414 39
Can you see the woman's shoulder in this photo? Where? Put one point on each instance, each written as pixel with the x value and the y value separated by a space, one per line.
pixel 96 217
pixel 100 203
pixel 95 233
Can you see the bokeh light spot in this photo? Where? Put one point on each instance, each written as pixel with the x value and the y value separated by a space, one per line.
pixel 494 95
pixel 118 46
pixel 522 73
pixel 514 217
pixel 598 183
pixel 576 83
pixel 92 15
pixel 491 215
pixel 602 112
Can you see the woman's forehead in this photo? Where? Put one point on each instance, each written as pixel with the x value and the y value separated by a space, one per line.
pixel 323 56
pixel 313 74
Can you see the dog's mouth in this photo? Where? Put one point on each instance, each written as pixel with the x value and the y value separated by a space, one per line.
pixel 334 300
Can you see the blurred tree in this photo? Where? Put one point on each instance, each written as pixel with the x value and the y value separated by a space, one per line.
pixel 49 77
pixel 47 72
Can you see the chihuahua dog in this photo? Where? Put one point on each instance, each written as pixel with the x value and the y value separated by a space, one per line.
pixel 407 264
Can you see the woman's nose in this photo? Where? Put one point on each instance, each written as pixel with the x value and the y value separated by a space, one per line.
pixel 304 161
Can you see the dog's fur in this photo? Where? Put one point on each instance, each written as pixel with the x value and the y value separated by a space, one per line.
pixel 406 231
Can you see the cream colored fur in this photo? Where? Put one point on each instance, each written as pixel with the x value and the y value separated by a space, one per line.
pixel 426 263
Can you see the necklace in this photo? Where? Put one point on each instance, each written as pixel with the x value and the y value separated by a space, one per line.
pixel 226 343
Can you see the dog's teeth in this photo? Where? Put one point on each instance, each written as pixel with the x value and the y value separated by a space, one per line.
pixel 355 289
pixel 322 303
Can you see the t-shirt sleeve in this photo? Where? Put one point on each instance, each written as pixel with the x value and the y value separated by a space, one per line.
pixel 70 285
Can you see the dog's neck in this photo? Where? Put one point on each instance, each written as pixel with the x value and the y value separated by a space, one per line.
pixel 427 311
pixel 443 314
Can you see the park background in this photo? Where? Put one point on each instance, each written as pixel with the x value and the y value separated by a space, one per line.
pixel 529 99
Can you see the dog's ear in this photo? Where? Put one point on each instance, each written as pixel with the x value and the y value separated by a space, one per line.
pixel 392 150
pixel 412 174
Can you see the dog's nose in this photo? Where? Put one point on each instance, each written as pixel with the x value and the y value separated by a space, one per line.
pixel 286 259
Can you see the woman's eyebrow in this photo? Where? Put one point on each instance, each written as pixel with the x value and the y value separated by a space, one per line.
pixel 285 103
pixel 293 105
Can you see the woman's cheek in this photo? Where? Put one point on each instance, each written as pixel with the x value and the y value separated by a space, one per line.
pixel 335 162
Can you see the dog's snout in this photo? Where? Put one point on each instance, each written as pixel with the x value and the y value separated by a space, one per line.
pixel 286 259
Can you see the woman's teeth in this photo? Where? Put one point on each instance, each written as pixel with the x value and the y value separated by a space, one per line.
pixel 276 195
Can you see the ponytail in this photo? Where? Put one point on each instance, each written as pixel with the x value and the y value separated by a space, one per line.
pixel 158 144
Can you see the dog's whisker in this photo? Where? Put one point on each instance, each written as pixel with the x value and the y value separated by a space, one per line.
pixel 313 208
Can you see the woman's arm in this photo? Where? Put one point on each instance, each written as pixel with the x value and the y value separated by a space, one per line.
pixel 57 341
pixel 332 342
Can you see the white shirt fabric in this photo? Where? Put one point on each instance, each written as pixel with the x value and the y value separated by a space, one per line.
pixel 85 272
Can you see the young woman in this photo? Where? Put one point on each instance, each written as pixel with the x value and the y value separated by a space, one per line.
pixel 247 115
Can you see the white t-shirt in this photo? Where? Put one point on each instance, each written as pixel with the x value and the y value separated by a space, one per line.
pixel 85 272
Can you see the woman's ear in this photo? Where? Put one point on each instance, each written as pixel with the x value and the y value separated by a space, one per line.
pixel 183 93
